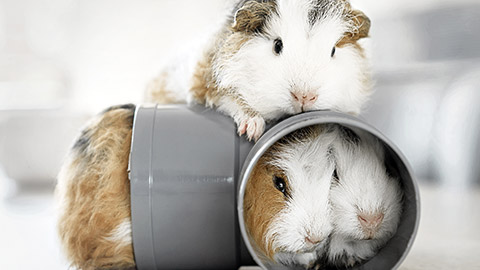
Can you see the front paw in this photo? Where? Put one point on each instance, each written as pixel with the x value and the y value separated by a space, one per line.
pixel 253 126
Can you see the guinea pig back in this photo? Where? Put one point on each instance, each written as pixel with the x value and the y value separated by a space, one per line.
pixel 93 194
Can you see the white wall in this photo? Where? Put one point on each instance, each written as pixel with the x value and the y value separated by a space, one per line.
pixel 104 51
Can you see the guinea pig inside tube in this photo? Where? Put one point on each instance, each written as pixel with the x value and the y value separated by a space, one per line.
pixel 324 190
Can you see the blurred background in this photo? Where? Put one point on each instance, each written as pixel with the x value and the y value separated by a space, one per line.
pixel 63 60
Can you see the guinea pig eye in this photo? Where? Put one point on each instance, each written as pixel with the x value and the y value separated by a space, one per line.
pixel 280 184
pixel 277 46
pixel 333 52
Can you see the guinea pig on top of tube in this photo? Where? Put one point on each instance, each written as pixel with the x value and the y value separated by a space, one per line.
pixel 366 200
pixel 274 58
pixel 286 204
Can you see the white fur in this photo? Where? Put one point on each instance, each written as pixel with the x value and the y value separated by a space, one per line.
pixel 354 250
pixel 253 126
pixel 363 185
pixel 265 80
pixel 309 168
pixel 259 78
pixel 306 259
pixel 179 66
pixel 122 234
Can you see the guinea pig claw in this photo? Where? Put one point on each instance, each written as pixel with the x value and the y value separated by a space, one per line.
pixel 255 128
pixel 242 127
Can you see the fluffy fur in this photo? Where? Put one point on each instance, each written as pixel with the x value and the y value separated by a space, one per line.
pixel 280 223
pixel 240 74
pixel 333 174
pixel 93 194
pixel 363 186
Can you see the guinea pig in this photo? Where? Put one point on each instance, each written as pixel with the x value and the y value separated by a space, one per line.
pixel 366 200
pixel 286 203
pixel 93 194
pixel 275 58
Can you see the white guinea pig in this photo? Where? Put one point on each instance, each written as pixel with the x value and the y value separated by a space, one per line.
pixel 286 206
pixel 366 200
pixel 275 58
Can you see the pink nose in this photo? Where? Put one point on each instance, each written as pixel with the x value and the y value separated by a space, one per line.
pixel 304 99
pixel 313 239
pixel 370 222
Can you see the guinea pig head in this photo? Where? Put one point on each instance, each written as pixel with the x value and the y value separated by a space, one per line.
pixel 366 200
pixel 286 206
pixel 297 55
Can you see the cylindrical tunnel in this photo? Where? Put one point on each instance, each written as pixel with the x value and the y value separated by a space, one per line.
pixel 188 173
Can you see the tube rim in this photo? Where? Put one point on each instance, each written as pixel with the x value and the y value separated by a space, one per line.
pixel 299 121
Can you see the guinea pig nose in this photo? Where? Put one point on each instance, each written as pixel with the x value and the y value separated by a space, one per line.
pixel 370 221
pixel 304 98
pixel 313 239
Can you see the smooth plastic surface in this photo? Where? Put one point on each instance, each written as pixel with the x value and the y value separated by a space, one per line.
pixel 183 167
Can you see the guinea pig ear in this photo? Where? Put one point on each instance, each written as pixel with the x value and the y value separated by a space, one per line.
pixel 362 24
pixel 252 16
pixel 360 27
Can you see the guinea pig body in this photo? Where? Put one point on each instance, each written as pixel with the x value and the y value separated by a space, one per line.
pixel 286 207
pixel 366 200
pixel 93 194
pixel 277 58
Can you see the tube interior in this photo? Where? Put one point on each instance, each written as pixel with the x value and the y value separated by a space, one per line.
pixel 396 249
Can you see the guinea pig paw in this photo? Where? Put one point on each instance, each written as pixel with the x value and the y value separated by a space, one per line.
pixel 242 127
pixel 255 127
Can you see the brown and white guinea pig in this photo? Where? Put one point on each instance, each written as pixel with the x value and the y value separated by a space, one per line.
pixel 93 194
pixel 286 204
pixel 273 58
pixel 366 200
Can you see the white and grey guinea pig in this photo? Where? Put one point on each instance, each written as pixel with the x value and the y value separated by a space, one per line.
pixel 275 58
pixel 366 200
pixel 286 205
pixel 93 194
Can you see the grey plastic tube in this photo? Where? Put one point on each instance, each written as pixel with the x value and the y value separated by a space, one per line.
pixel 188 173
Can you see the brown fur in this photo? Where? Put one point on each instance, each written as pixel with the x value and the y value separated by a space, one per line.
pixel 262 203
pixel 204 88
pixel 361 27
pixel 253 16
pixel 158 91
pixel 94 193
pixel 234 34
